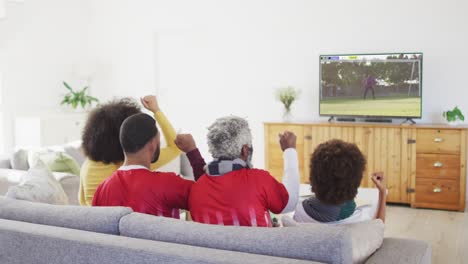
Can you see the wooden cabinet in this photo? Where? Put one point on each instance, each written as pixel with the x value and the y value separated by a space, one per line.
pixel 440 169
pixel 425 165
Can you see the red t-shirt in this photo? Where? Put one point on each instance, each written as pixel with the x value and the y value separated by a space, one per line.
pixel 155 193
pixel 242 197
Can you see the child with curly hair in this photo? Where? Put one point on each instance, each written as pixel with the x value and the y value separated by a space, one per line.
pixel 336 170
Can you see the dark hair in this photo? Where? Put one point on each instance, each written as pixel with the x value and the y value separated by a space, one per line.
pixel 336 169
pixel 136 131
pixel 101 133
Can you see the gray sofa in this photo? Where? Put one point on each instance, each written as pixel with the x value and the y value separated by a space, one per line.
pixel 42 233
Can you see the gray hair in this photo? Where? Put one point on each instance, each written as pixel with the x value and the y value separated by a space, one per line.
pixel 227 135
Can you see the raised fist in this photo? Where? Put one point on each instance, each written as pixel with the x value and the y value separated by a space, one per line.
pixel 185 142
pixel 287 140
pixel 150 102
pixel 379 180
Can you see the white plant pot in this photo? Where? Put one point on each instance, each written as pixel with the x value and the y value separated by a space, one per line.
pixel 455 123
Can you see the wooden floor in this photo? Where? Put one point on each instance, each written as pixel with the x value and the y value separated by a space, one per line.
pixel 446 231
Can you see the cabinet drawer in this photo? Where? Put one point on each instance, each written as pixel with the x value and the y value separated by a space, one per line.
pixel 438 166
pixel 437 191
pixel 438 141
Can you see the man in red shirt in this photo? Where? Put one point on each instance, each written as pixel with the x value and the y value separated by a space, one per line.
pixel 232 192
pixel 134 185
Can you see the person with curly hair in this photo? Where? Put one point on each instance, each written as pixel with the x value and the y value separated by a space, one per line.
pixel 336 170
pixel 102 147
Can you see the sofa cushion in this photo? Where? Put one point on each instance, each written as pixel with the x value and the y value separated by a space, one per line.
pixel 75 150
pixel 39 185
pixel 19 160
pixel 56 161
pixel 366 236
pixel 313 242
pixel 402 251
pixel 95 219
pixel 70 183
pixel 5 161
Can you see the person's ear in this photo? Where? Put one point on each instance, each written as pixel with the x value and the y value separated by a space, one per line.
pixel 152 145
pixel 245 152
pixel 156 142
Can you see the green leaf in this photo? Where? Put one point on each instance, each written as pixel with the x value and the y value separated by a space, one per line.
pixel 457 113
pixel 67 86
pixel 450 116
pixel 66 100
pixel 93 99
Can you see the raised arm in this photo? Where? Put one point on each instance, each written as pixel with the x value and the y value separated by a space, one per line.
pixel 171 151
pixel 291 169
pixel 380 182
pixel 186 143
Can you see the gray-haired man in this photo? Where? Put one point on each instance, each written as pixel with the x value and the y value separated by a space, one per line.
pixel 232 192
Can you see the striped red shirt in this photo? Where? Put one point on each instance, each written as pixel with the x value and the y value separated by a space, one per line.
pixel 242 197
pixel 148 192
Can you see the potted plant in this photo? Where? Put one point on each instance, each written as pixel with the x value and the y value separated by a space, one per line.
pixel 78 98
pixel 454 117
pixel 287 96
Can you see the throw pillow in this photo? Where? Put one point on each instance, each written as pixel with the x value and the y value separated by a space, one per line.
pixel 55 160
pixel 366 236
pixel 19 160
pixel 38 184
pixel 75 150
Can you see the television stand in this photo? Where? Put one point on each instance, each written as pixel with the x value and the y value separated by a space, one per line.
pixel 409 120
pixel 331 119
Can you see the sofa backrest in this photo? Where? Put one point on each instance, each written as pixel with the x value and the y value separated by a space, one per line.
pixel 39 244
pixel 95 219
pixel 312 242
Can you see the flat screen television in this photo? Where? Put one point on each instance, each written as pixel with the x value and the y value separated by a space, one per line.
pixel 371 85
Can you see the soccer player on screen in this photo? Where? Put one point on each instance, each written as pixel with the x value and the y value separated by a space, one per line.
pixel 369 83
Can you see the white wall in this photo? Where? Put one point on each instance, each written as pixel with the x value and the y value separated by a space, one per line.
pixel 206 59
pixel 41 43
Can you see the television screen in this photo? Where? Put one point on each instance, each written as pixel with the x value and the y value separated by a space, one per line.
pixel 384 85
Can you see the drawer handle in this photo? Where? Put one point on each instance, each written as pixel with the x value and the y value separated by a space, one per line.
pixel 437 190
pixel 438 164
pixel 438 140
